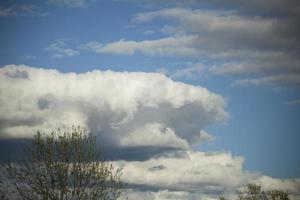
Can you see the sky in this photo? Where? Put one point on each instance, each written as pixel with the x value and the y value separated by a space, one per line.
pixel 192 99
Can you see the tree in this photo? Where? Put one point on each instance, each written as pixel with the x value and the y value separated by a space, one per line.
pixel 254 192
pixel 65 164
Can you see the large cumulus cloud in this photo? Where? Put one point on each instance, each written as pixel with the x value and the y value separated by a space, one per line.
pixel 190 175
pixel 187 171
pixel 151 119
pixel 124 109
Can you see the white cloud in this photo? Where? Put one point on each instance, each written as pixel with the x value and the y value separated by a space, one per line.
pixel 60 50
pixel 191 172
pixel 123 108
pixel 185 178
pixel 196 175
pixel 204 136
pixel 289 185
pixel 159 195
pixel 167 195
pixel 179 46
pixel 154 134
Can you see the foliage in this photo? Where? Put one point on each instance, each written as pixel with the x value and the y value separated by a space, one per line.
pixel 254 192
pixel 65 164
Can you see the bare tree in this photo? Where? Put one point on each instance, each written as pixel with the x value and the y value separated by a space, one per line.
pixel 65 164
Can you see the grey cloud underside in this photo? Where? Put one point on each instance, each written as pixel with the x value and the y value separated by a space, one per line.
pixel 12 149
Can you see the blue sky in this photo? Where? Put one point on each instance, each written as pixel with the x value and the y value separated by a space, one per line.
pixel 246 52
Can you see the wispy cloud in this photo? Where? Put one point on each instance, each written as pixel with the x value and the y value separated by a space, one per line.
pixel 60 50
pixel 22 11
pixel 171 46
pixel 71 3
pixel 190 71
pixel 30 57
pixel 293 102
pixel 149 32
pixel 5 12
pixel 275 80
pixel 94 46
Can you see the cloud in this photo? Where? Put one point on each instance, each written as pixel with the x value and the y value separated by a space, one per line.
pixel 289 185
pixel 224 30
pixel 209 172
pixel 188 175
pixel 22 11
pixel 294 102
pixel 147 121
pixel 257 6
pixel 206 136
pixel 149 32
pixel 167 195
pixel 234 40
pixel 95 46
pixel 195 175
pixel 191 71
pixel 228 34
pixel 122 108
pixel 5 12
pixel 154 134
pixel 71 3
pixel 170 46
pixel 276 63
pixel 30 57
pixel 275 80
pixel 60 50
pixel 159 195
